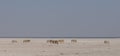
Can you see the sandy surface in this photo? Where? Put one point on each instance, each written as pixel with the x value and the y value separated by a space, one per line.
pixel 39 47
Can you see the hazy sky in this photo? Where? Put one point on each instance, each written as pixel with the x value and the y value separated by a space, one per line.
pixel 62 18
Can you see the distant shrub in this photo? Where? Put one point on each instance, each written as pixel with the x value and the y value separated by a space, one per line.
pixel 26 41
pixel 106 42
pixel 73 41
pixel 14 41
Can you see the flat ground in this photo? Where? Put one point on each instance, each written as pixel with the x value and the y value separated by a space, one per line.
pixel 39 47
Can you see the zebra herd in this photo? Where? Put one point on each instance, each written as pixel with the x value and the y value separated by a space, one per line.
pixel 59 41
pixel 48 41
pixel 55 41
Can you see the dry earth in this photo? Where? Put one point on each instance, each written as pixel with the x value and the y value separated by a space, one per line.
pixel 39 47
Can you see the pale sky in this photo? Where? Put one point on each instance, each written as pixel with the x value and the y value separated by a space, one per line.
pixel 59 18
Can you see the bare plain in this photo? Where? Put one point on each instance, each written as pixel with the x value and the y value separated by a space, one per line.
pixel 59 47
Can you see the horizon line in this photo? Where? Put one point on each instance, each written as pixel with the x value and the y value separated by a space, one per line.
pixel 59 37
